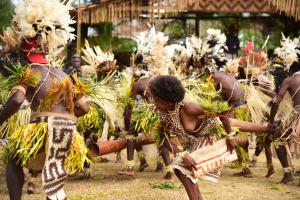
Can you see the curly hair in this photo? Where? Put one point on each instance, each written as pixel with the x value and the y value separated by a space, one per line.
pixel 167 88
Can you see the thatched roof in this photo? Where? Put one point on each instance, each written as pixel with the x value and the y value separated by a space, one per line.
pixel 113 10
pixel 289 7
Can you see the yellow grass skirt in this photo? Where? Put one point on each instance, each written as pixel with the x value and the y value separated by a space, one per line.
pixel 29 144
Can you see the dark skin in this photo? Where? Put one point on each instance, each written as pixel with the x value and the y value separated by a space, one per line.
pixel 291 85
pixel 138 88
pixel 231 91
pixel 191 116
pixel 14 172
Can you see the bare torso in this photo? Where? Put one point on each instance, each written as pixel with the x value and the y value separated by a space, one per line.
pixel 192 118
pixel 231 90
pixel 294 88
pixel 42 92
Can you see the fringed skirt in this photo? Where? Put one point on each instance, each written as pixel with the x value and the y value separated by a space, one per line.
pixel 292 133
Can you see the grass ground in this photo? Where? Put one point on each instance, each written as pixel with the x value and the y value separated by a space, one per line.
pixel 106 184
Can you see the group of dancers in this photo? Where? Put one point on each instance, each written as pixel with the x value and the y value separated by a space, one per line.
pixel 197 105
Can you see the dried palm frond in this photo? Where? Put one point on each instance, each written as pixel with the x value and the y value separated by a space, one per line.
pixel 59 90
pixel 285 110
pixel 257 103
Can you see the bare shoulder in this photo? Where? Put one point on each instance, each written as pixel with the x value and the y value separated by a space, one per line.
pixel 140 85
pixel 192 108
pixel 288 80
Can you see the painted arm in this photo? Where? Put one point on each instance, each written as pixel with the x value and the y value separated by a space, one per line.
pixel 276 101
pixel 13 105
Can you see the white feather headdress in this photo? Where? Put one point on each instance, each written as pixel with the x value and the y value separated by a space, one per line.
pixel 95 56
pixel 48 19
pixel 151 46
pixel 99 61
pixel 289 51
pixel 208 52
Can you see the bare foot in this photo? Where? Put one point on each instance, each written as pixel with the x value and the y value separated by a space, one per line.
pixel 126 172
pixel 287 177
pixel 169 175
pixel 244 173
pixel 271 171
pixel 143 165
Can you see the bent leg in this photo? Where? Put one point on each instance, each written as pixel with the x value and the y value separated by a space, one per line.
pixel 166 158
pixel 190 187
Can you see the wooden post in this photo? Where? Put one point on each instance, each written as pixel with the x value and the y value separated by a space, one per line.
pixel 78 29
pixel 197 25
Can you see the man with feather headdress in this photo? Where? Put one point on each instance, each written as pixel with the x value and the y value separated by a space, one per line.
pixel 287 56
pixel 148 60
pixel 39 26
pixel 208 58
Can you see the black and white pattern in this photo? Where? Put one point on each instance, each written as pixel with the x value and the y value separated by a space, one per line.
pixel 60 134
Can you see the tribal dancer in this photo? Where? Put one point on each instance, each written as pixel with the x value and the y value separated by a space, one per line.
pixel 103 114
pixel 288 58
pixel 258 93
pixel 148 60
pixel 190 124
pixel 208 59
pixel 55 101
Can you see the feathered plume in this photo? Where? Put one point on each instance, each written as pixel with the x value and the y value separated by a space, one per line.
pixel 56 58
pixel 289 51
pixel 48 19
pixel 100 62
pixel 209 53
pixel 150 51
pixel 179 56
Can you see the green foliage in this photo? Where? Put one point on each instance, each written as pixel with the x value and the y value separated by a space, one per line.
pixel 146 120
pixel 19 75
pixel 6 11
pixel 175 30
pixel 217 131
pixel 203 91
pixel 27 141
pixel 123 45
pixel 104 39
pixel 92 122
pixel 249 34
pixel 166 186
pixel 242 113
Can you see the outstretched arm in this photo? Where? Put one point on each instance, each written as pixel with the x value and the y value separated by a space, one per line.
pixel 277 99
pixel 13 104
